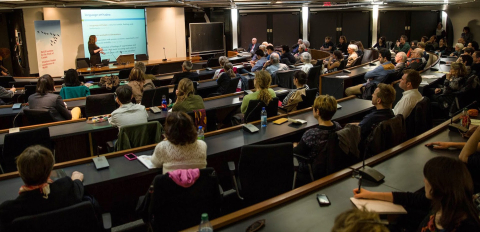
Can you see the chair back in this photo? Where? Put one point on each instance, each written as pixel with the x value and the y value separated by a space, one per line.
pixel 308 99
pixel 101 90
pixel 342 65
pixel 83 63
pixel 153 97
pixel 99 104
pixel 265 171
pixel 285 79
pixel 313 77
pixel 68 92
pixel 391 77
pixel 213 62
pixel 6 81
pixel 334 159
pixel 141 57
pixel 16 143
pixel 358 61
pixel 175 208
pixel 124 73
pixel 254 109
pixel 420 119
pixel 138 135
pixel 386 135
pixel 38 116
pixel 369 55
pixel 389 45
pixel 76 218
pixel 232 85
pixel 29 90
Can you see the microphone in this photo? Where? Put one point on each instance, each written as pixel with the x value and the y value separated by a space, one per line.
pixel 164 55
pixel 21 110
pixel 113 57
pixel 459 127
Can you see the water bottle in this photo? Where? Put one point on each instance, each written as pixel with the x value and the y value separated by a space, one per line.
pixel 164 103
pixel 205 225
pixel 263 117
pixel 200 135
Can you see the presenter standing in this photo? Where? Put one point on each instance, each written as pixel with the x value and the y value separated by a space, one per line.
pixel 94 51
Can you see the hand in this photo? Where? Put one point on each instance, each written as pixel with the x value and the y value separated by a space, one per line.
pixel 176 92
pixel 398 43
pixel 438 145
pixel 295 144
pixel 77 176
pixel 4 73
pixel 13 89
pixel 470 131
pixel 437 91
pixel 103 53
pixel 100 49
pixel 448 76
pixel 364 194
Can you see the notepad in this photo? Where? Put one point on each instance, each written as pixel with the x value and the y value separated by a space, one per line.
pixel 146 160
pixel 380 207
pixel 296 121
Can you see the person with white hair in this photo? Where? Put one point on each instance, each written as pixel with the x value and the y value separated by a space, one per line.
pixel 352 54
pixel 295 47
pixel 400 59
pixel 222 61
pixel 417 61
pixel 263 48
pixel 253 47
pixel 307 45
pixel 458 50
pixel 301 49
pixel 273 65
pixel 306 59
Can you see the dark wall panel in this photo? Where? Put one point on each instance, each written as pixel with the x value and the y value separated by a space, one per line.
pixel 252 25
pixel 392 24
pixel 322 24
pixel 356 26
pixel 286 28
pixel 423 23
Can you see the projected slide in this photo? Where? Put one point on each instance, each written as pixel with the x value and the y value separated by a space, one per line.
pixel 118 31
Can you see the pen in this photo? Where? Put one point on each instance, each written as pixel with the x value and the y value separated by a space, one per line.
pixel 359 184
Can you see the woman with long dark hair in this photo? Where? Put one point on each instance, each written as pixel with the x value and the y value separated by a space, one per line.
pixel 94 50
pixel 382 43
pixel 448 196
pixel 139 84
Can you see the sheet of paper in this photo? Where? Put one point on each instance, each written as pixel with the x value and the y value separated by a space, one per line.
pixel 343 76
pixel 430 76
pixel 297 120
pixel 475 122
pixel 424 83
pixel 281 91
pixel 146 160
pixel 381 207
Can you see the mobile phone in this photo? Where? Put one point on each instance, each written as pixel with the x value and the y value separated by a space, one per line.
pixel 17 106
pixel 323 200
pixel 130 156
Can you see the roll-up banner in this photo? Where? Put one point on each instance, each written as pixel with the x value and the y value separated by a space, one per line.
pixel 48 38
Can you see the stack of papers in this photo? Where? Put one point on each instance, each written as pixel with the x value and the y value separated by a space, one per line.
pixel 380 207
pixel 146 160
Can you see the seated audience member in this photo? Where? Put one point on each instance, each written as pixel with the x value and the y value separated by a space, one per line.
pixel 186 73
pixel 468 51
pixel 458 50
pixel 421 45
pixel 138 84
pixel 300 81
pixel 254 60
pixel 261 59
pixel 180 149
pixel 342 44
pixel 187 101
pixel 224 80
pixel 265 43
pixel 71 78
pixel 307 62
pixel 359 220
pixel 442 46
pixel 352 41
pixel 447 197
pixel 314 140
pixel 296 46
pixel 352 57
pixel 140 65
pixel 334 62
pixel 263 91
pixel 328 45
pixel 402 45
pixel 274 65
pixel 360 49
pixel 377 75
pixel 382 99
pixel 40 194
pixel 44 98
pixel 301 49
pixel 222 61
pixel 473 45
pixel 270 50
pixel 72 87
pixel 4 93
pixel 400 59
pixel 253 47
pixel 287 55
pixel 462 41
pixel 417 62
pixel 467 36
pixel 476 63
pixel 413 46
pixel 410 81
pixel 382 43
pixel 432 42
pixel 307 45
pixel 128 113
pixel 466 60
pixel 424 39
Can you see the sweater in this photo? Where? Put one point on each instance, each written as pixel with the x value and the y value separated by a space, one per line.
pixel 172 157
pixel 253 96
pixel 189 104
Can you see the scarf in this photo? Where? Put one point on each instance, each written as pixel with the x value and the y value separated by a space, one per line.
pixel 44 188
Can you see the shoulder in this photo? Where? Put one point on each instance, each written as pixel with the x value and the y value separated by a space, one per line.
pixel 201 145
pixel 271 91
pixel 196 97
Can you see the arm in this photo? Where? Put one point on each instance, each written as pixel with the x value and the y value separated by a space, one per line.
pixel 365 194
pixel 332 65
pixel 471 146
pixel 302 149
pixel 60 107
pixel 374 73
pixel 157 157
pixel 7 93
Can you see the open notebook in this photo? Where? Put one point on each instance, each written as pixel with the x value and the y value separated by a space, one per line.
pixel 380 207
pixel 146 160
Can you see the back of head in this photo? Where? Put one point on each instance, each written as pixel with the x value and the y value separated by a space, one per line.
pixel 262 83
pixel 459 68
pixel 91 39
pixel 228 68
pixel 270 47
pixel 413 77
pixel 360 45
pixel 338 54
pixel 259 52
pixel 421 45
pixel 477 55
pixel 71 78
pixel 136 75
pixel 385 53
pixel 179 128
pixel 140 65
pixel 187 65
pixel 403 56
pixel 124 94
pixel 468 59
pixel 459 46
pixel 307 44
pixel 356 220
pixel 45 84
pixel 275 58
pixel 451 190
pixel 469 51
pixel 475 45
pixel 222 60
pixel 306 57
pixel 35 165
pixel 387 94
pixel 326 106
pixel 185 88
pixel 301 77
pixel 285 48
pixel 418 52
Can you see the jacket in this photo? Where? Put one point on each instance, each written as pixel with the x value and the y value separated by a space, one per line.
pixel 74 92
pixel 386 135
pixel 189 104
pixel 223 82
pixel 294 99
pixel 137 90
pixel 53 103
pixel 138 135
pixel 349 139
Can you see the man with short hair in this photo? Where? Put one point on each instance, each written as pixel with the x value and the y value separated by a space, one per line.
pixel 468 51
pixel 410 81
pixel 261 59
pixel 287 55
pixel 140 65
pixel 400 59
pixel 253 47
pixel 328 45
pixel 128 113
pixel 377 75
pixel 476 63
pixel 417 61
pixel 270 50
pixel 402 45
pixel 186 68
pixel 296 46
pixel 263 48
pixel 273 65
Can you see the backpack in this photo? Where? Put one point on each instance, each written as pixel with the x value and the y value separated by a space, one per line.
pixel 368 90
pixel 109 82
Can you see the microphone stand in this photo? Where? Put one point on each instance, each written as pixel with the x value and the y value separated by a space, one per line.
pixel 164 55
